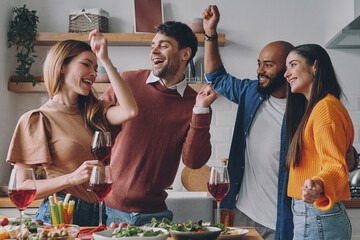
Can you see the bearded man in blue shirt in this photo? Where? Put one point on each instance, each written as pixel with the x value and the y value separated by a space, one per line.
pixel 257 166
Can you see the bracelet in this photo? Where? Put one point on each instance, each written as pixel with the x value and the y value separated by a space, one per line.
pixel 210 38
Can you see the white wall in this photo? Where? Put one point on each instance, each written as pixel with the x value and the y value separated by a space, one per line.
pixel 7 99
pixel 248 24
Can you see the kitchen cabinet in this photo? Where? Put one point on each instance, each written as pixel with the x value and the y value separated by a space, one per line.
pixel 114 39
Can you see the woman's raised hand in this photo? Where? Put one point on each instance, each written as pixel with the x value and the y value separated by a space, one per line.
pixel 99 44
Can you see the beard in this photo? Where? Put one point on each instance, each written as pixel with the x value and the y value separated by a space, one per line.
pixel 274 83
pixel 169 69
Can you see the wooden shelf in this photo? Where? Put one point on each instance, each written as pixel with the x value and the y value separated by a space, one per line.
pixel 27 87
pixel 114 39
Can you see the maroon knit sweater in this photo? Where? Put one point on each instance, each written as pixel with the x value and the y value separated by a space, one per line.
pixel 147 151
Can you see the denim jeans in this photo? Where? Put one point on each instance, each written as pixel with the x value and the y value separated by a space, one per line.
pixel 312 223
pixel 85 213
pixel 137 219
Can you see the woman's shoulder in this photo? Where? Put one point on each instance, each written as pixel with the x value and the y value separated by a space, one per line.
pixel 329 102
pixel 33 117
pixel 330 107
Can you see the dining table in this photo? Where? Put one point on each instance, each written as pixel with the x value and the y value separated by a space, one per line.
pixel 251 235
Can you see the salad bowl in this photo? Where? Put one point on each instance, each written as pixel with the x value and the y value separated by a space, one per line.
pixel 107 235
pixel 211 234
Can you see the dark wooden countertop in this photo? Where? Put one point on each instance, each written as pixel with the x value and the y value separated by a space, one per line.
pixel 352 203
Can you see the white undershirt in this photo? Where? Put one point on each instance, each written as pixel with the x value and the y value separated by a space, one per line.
pixel 258 192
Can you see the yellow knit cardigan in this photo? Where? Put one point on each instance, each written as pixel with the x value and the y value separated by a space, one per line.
pixel 328 134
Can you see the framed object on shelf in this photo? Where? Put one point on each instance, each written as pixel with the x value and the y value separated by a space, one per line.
pixel 147 15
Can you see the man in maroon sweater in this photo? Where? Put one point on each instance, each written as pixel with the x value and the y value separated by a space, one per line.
pixel 173 123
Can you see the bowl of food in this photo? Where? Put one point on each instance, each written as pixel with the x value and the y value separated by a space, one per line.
pixel 204 233
pixel 63 232
pixel 133 233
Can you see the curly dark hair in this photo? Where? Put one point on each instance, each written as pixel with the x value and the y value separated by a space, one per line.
pixel 181 33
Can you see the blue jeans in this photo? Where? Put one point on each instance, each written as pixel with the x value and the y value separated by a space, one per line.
pixel 85 213
pixel 311 223
pixel 137 219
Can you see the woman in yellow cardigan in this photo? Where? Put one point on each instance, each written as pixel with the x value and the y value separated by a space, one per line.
pixel 319 131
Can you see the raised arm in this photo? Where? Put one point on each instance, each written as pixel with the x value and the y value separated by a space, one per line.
pixel 127 107
pixel 197 147
pixel 212 58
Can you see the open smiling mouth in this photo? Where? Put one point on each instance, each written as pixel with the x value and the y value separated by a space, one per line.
pixel 158 61
pixel 89 82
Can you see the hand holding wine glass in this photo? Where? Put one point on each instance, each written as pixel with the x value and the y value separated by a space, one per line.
pixel 101 185
pixel 218 186
pixel 101 146
pixel 22 190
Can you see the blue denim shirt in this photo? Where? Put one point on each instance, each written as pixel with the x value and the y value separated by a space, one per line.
pixel 245 94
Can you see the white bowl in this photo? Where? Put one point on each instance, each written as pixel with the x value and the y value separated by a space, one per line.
pixel 71 229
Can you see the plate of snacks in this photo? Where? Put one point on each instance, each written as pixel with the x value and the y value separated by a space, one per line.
pixel 125 231
pixel 232 233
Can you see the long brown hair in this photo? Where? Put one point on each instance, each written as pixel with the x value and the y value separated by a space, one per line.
pixel 298 109
pixel 90 107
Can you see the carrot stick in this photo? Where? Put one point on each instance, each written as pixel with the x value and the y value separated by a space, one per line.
pixel 66 217
pixel 71 210
pixel 55 198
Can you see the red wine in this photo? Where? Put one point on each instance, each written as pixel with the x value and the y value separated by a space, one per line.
pixel 101 153
pixel 22 198
pixel 101 190
pixel 218 191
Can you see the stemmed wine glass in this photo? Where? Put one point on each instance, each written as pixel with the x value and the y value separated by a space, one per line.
pixel 101 185
pixel 22 190
pixel 101 146
pixel 218 186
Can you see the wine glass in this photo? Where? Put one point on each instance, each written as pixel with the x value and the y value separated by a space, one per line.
pixel 218 186
pixel 101 146
pixel 101 185
pixel 22 190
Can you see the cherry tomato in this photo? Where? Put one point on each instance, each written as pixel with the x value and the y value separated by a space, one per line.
pixel 113 225
pixel 4 222
pixel 40 222
pixel 201 230
pixel 123 224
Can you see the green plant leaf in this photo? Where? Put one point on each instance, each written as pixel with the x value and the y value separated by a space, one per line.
pixel 22 34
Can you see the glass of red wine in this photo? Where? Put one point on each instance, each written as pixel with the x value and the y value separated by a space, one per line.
pixel 218 186
pixel 22 190
pixel 101 185
pixel 101 146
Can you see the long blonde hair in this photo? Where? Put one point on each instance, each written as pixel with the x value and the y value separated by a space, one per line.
pixel 90 107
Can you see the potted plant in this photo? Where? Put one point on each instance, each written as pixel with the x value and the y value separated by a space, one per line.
pixel 22 34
